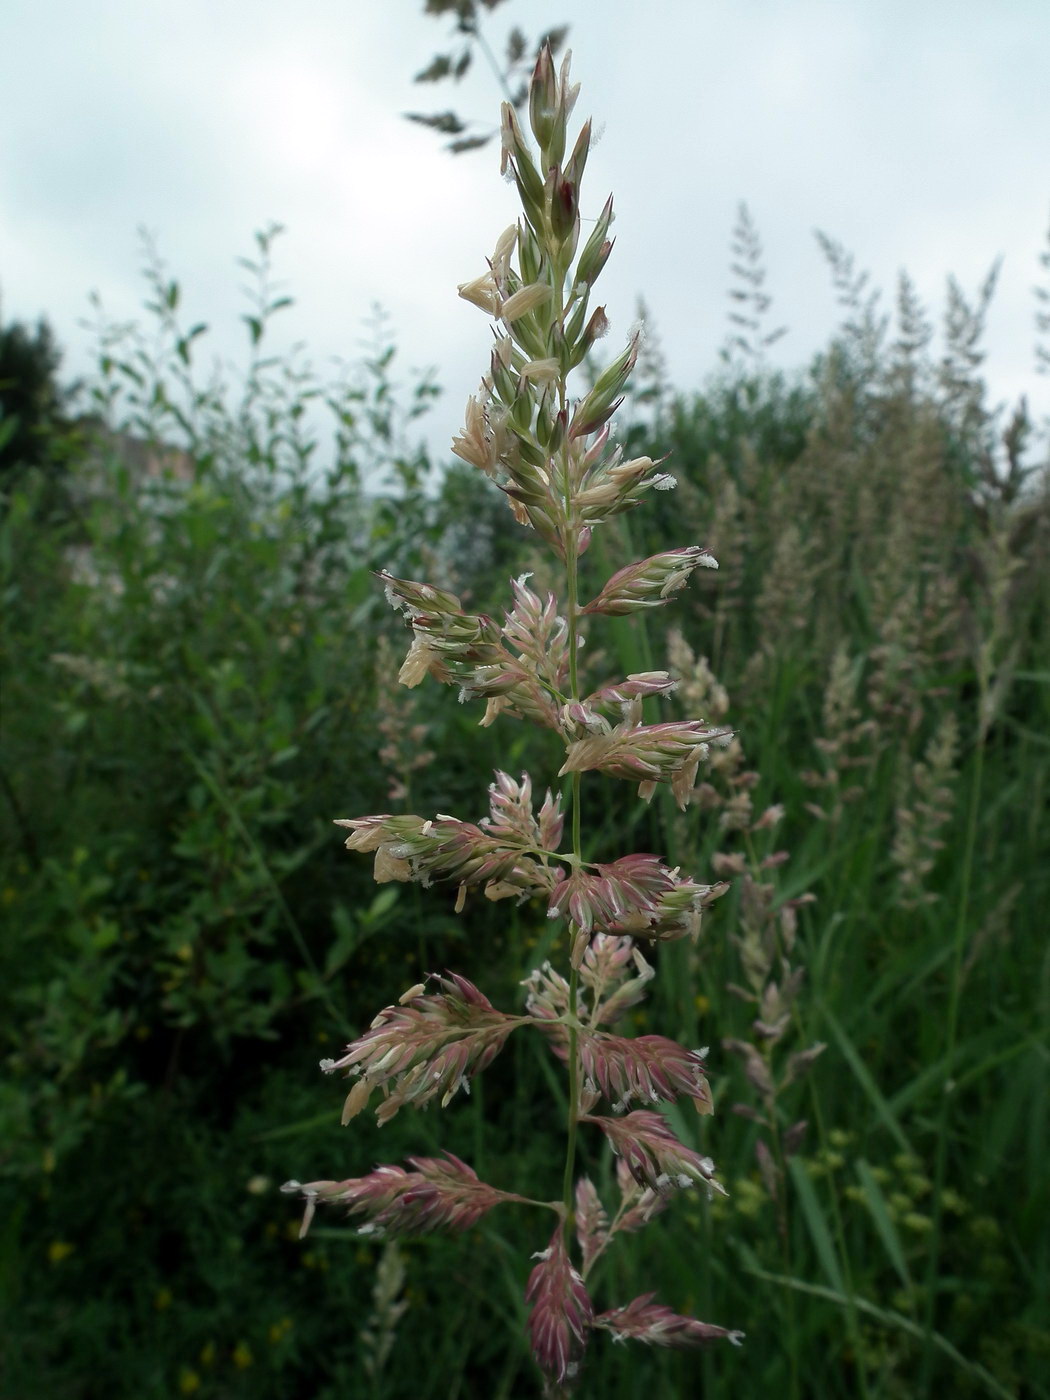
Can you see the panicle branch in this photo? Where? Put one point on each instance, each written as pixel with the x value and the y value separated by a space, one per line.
pixel 605 973
pixel 511 816
pixel 646 1067
pixel 605 991
pixel 650 582
pixel 436 1193
pixel 635 895
pixel 429 1046
pixel 654 1156
pixel 647 753
pixel 506 853
pixel 592 1222
pixel 638 1204
pixel 561 1311
pixel 646 1321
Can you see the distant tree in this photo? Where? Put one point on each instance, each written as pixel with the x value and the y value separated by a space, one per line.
pixel 512 74
pixel 30 397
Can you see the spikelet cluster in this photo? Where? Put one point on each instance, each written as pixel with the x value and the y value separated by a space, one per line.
pixel 551 455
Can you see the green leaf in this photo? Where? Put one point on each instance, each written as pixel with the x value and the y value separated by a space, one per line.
pixel 182 345
pixel 816 1222
pixel 382 904
pixel 447 122
pixel 439 67
pixel 890 1319
pixel 876 1203
pixel 863 1075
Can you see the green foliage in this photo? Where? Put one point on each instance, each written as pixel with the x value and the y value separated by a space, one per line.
pixel 511 74
pixel 193 686
pixel 183 640
pixel 29 393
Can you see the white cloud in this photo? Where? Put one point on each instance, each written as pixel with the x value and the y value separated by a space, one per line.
pixel 913 134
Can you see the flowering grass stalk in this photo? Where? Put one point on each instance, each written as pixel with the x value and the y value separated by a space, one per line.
pixel 550 455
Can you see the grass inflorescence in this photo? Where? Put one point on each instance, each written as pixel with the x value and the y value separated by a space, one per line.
pixel 199 669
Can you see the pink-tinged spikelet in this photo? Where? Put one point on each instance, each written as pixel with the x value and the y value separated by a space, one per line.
pixel 592 1222
pixel 650 582
pixel 647 1067
pixel 653 1154
pixel 437 1193
pixel 646 1321
pixel 561 1311
pixel 428 1046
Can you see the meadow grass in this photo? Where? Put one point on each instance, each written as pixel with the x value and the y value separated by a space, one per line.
pixel 197 673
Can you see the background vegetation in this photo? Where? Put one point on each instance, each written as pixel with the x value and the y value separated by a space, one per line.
pixel 199 674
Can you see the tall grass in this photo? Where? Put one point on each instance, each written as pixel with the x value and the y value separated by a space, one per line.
pixel 193 672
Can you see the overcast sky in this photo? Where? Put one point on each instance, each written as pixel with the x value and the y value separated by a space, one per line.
pixel 916 132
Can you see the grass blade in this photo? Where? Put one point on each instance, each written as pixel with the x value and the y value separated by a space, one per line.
pixel 876 1203
pixel 816 1222
pixel 863 1076
pixel 888 1318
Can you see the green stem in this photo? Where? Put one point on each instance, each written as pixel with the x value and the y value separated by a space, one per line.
pixel 780 1203
pixel 486 49
pixel 851 1300
pixel 950 1038
pixel 574 1108
pixel 571 540
pixel 571 560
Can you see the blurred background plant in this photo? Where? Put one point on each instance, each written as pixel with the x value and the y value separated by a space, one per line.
pixel 193 654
